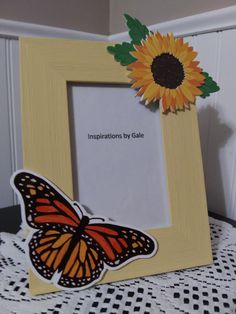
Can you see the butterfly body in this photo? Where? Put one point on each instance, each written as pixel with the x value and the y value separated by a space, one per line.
pixel 67 246
pixel 76 237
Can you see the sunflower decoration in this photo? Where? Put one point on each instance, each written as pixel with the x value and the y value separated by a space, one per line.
pixel 162 68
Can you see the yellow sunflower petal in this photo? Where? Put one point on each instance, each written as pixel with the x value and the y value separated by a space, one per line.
pixel 189 56
pixel 141 91
pixel 196 76
pixel 179 44
pixel 168 97
pixel 151 49
pixel 140 74
pixel 163 104
pixel 172 104
pixel 165 44
pixel 141 82
pixel 156 45
pixel 137 65
pixel 179 98
pixel 196 91
pixel 151 92
pixel 187 93
pixel 172 43
pixel 162 90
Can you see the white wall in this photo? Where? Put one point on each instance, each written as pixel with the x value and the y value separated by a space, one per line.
pixel 154 11
pixel 80 15
pixel 217 118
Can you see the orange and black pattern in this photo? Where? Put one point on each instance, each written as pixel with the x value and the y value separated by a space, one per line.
pixel 68 247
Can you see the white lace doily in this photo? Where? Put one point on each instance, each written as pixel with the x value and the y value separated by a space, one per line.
pixel 206 290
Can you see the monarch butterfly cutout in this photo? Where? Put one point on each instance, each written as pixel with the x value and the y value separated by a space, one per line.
pixel 67 246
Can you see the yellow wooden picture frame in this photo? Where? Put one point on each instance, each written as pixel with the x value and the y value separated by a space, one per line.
pixel 47 66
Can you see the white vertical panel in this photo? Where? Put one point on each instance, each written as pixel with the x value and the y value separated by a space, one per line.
pixel 217 120
pixel 6 195
pixel 226 106
pixel 207 46
pixel 14 103
pixel 206 107
pixel 10 130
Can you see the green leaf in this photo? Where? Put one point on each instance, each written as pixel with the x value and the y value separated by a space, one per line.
pixel 121 53
pixel 137 30
pixel 209 86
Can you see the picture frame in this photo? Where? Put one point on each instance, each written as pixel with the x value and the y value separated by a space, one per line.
pixel 47 66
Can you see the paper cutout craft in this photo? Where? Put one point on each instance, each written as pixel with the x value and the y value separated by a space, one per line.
pixel 163 68
pixel 67 246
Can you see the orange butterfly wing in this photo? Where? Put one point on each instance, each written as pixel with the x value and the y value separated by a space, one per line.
pixel 119 245
pixel 44 205
pixel 75 261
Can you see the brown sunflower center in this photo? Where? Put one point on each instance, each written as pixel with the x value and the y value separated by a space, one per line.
pixel 167 71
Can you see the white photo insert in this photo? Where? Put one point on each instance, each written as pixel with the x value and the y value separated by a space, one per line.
pixel 118 158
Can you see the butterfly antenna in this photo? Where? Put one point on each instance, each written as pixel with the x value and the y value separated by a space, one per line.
pixel 79 208
pixel 96 218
